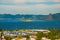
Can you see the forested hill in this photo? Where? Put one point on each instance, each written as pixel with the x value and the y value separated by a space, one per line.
pixel 55 16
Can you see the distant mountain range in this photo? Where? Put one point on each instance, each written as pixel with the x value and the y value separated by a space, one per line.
pixel 30 17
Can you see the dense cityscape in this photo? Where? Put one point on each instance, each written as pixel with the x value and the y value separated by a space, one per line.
pixel 34 34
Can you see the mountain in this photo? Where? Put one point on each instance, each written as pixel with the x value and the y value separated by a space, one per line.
pixel 31 17
pixel 56 16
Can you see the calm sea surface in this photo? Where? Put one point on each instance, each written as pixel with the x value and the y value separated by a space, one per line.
pixel 18 24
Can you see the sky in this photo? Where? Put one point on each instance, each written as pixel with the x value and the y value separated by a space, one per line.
pixel 34 7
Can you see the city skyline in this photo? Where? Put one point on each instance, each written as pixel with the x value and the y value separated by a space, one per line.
pixel 29 6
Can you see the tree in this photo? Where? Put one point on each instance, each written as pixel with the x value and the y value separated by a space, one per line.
pixel 27 37
pixel 39 35
pixel 0 29
pixel 52 35
pixel 1 34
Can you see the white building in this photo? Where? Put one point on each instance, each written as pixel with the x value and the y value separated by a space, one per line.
pixel 32 39
pixel 44 38
pixel 41 30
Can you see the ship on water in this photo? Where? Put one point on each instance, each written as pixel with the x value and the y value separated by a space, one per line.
pixel 27 20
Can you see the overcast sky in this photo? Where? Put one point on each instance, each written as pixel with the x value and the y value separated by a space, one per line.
pixel 29 6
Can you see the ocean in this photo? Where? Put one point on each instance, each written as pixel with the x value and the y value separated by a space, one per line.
pixel 19 24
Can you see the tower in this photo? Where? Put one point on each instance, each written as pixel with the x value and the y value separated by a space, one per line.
pixel 49 17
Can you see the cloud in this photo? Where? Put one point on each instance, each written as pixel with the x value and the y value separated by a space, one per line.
pixel 29 6
pixel 43 0
pixel 25 1
pixel 12 1
pixel 56 0
pixel 36 0
pixel 30 9
pixel 19 1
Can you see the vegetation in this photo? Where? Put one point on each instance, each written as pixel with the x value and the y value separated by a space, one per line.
pixel 53 34
pixel 39 35
pixel 27 36
pixel 0 29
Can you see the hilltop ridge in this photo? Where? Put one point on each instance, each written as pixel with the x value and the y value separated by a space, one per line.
pixel 31 17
